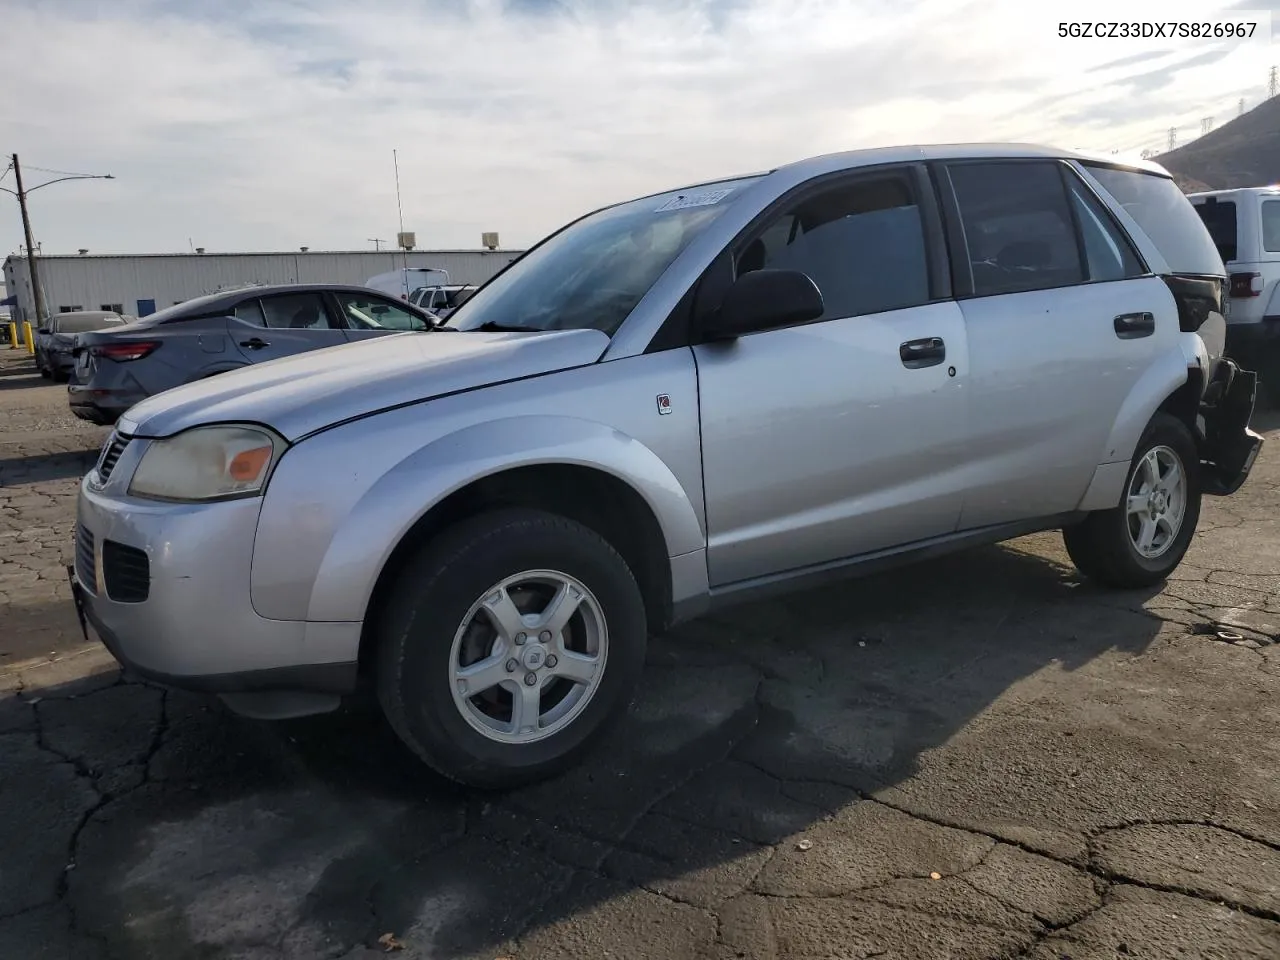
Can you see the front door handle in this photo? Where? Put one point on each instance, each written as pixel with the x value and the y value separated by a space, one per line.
pixel 1131 326
pixel 927 352
pixel 253 343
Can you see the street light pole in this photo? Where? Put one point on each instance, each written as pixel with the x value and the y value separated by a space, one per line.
pixel 36 294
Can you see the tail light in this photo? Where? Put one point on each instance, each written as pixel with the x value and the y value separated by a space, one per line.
pixel 127 350
pixel 1246 285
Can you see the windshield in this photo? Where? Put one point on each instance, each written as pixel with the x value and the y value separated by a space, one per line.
pixel 84 324
pixel 592 274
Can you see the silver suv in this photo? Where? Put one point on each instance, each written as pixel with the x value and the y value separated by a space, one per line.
pixel 671 404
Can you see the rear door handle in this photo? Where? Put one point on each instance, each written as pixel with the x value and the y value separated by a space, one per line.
pixel 927 352
pixel 1131 326
pixel 253 343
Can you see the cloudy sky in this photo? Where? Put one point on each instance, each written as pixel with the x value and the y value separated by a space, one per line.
pixel 270 124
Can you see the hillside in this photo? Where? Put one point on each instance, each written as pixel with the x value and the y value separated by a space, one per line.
pixel 1242 153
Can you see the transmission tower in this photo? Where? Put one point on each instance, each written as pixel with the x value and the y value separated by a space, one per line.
pixel 1206 125
pixel 1240 112
pixel 1173 137
pixel 1272 84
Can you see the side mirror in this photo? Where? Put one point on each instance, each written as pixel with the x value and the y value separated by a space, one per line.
pixel 763 300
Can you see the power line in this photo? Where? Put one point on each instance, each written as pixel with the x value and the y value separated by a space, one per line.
pixel 59 173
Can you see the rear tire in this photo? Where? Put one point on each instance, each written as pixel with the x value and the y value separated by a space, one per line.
pixel 472 680
pixel 1139 542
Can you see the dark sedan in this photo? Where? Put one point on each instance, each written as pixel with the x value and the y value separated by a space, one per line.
pixel 56 338
pixel 212 334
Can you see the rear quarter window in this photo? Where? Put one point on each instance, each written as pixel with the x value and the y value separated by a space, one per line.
pixel 1165 215
pixel 1271 226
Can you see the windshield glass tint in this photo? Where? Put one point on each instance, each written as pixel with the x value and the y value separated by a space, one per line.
pixel 592 274
pixel 1166 216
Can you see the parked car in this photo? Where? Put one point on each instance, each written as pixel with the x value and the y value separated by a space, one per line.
pixel 55 340
pixel 401 283
pixel 196 339
pixel 1245 226
pixel 671 404
pixel 442 300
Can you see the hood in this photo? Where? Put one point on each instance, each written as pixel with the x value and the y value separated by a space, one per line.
pixel 301 394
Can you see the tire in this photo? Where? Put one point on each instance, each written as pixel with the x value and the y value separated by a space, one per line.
pixel 423 637
pixel 1102 546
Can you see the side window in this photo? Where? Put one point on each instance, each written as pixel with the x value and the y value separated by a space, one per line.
pixel 1271 226
pixel 1107 251
pixel 862 243
pixel 1017 226
pixel 373 313
pixel 250 311
pixel 296 311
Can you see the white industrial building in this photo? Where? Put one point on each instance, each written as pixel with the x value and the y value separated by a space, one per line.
pixel 141 284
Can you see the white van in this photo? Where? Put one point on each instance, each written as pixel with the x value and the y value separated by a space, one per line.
pixel 400 283
pixel 1245 226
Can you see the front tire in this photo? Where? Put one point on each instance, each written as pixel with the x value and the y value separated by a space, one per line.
pixel 1142 540
pixel 511 642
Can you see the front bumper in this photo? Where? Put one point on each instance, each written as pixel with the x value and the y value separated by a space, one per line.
pixel 166 589
pixel 1228 447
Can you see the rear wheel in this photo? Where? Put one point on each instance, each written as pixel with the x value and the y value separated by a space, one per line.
pixel 1142 540
pixel 511 642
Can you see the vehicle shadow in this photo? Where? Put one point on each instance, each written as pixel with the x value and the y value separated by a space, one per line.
pixel 20 374
pixel 752 727
pixel 59 464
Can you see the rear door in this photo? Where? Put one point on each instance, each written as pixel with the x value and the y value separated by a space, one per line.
pixel 1062 320
pixel 266 328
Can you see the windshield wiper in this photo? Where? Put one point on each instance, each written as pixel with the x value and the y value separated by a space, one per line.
pixel 492 326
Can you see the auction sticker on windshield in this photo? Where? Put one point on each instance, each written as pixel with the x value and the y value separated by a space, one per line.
pixel 704 199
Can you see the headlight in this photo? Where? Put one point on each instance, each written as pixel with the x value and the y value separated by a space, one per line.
pixel 207 463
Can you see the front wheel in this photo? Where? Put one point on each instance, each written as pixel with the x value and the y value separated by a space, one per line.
pixel 1142 540
pixel 510 644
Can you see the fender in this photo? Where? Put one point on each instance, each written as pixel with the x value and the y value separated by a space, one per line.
pixel 333 580
pixel 1156 384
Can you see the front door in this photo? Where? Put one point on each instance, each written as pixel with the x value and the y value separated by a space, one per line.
pixel 368 315
pixel 1062 323
pixel 283 324
pixel 838 437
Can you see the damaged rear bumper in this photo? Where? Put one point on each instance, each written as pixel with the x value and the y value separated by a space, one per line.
pixel 1228 447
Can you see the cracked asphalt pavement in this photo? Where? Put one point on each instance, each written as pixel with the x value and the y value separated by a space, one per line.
pixel 976 757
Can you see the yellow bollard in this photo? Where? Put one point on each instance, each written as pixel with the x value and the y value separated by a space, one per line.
pixel 13 336
pixel 26 333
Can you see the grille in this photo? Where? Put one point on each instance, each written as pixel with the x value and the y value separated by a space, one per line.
pixel 84 558
pixel 126 572
pixel 111 455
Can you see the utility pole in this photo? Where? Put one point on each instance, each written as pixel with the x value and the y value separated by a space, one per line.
pixel 36 293
pixel 32 248
pixel 1173 137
